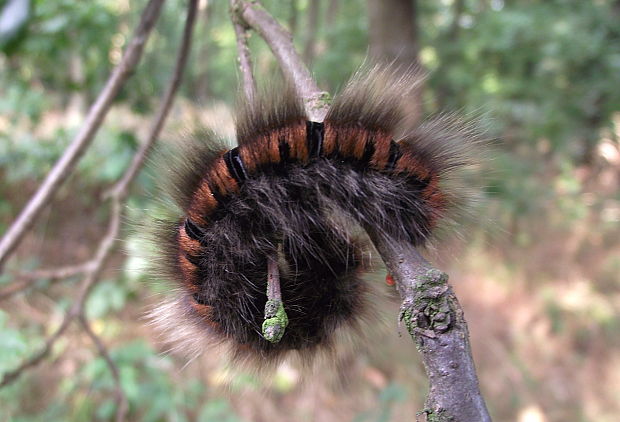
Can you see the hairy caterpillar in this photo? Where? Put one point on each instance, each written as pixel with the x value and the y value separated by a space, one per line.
pixel 300 194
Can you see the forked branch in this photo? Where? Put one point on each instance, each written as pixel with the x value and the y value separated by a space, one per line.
pixel 243 52
pixel 280 42
pixel 67 162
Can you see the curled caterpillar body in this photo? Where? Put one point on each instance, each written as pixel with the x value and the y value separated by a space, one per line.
pixel 301 193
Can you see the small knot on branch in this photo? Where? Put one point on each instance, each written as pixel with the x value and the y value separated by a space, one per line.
pixel 275 322
pixel 427 311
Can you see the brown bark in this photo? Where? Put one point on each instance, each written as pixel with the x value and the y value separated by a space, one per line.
pixel 331 12
pixel 445 91
pixel 393 35
pixel 293 17
pixel 311 30
pixel 436 323
pixel 393 31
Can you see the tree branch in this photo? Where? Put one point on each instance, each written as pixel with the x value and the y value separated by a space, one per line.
pixel 245 60
pixel 280 42
pixel 89 280
pixel 117 195
pixel 121 188
pixel 276 320
pixel 435 320
pixel 27 279
pixel 121 399
pixel 66 164
pixel 430 309
pixel 11 376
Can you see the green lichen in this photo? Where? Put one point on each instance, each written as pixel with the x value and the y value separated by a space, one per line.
pixel 324 99
pixel 275 322
pixel 440 416
pixel 428 312
pixel 406 315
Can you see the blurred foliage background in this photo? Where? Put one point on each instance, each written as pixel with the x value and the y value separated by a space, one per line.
pixel 538 273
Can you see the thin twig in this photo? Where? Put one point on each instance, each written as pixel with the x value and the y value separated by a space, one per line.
pixel 66 164
pixel 85 287
pixel 121 188
pixel 243 50
pixel 121 400
pixel 276 320
pixel 273 279
pixel 280 42
pixel 11 376
pixel 27 279
pixel 117 195
pixel 56 273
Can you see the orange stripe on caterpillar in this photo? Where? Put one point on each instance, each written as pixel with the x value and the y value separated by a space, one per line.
pixel 330 138
pixel 296 138
pixel 265 149
pixel 188 271
pixel 358 147
pixel 410 164
pixel 382 151
pixel 186 243
pixel 272 148
pixel 203 204
pixel 205 312
pixel 221 178
pixel 351 140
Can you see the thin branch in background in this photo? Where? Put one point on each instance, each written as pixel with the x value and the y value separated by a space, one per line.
pixel 121 188
pixel 331 12
pixel 78 305
pixel 243 50
pixel 117 194
pixel 10 376
pixel 27 279
pixel 280 42
pixel 311 31
pixel 121 399
pixel 200 83
pixel 86 286
pixel 458 10
pixel 430 309
pixel 67 162
pixel 293 15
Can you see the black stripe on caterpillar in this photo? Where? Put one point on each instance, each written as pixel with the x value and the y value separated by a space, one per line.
pixel 304 191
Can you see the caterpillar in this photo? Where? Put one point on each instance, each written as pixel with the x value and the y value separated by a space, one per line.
pixel 295 197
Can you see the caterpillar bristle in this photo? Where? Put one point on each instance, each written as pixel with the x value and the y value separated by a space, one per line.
pixel 302 192
pixel 375 98
pixel 182 167
pixel 276 106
